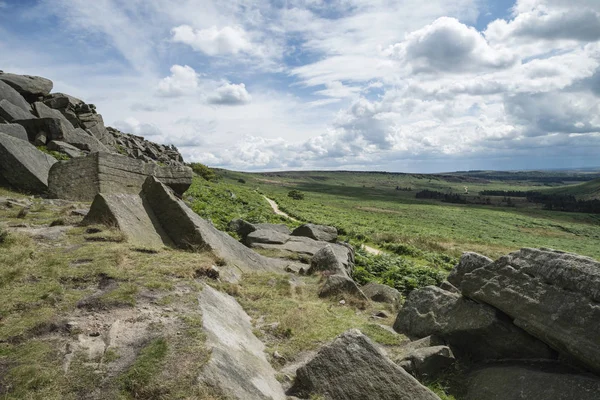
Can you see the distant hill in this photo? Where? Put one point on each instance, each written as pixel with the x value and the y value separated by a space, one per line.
pixel 582 191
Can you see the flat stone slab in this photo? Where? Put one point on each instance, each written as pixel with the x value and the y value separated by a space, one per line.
pixel 132 215
pixel 14 130
pixel 238 365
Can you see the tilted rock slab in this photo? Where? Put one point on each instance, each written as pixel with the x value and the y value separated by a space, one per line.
pixel 554 296
pixel 10 112
pixel 470 328
pixel 23 166
pixel 8 93
pixel 30 87
pixel 238 366
pixel 188 230
pixel 132 215
pixel 530 381
pixel 14 130
pixel 353 368
pixel 81 179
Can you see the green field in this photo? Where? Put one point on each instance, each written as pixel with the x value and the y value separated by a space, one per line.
pixel 381 208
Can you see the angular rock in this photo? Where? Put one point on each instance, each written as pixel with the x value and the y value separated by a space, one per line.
pixel 67 105
pixel 95 125
pixel 65 148
pixel 12 96
pixel 241 227
pixel 40 139
pixel 43 111
pixel 381 293
pixel 237 364
pixel 473 329
pixel 81 179
pixel 341 285
pixel 266 236
pixel 468 263
pixel 83 141
pixel 327 260
pixel 11 113
pixel 23 166
pixel 427 362
pixel 317 232
pixel 53 128
pixel 14 130
pixel 30 87
pixel 187 230
pixel 132 215
pixel 447 286
pixel 552 295
pixel 352 368
pixel 281 228
pixel 530 381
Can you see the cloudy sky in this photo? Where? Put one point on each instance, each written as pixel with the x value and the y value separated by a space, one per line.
pixel 396 85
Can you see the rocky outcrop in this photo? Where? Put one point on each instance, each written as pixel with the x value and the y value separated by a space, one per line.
pixel 237 366
pixel 244 228
pixel 327 260
pixel 381 293
pixel 266 237
pixel 81 179
pixel 472 329
pixel 9 112
pixel 132 215
pixel 552 295
pixel 317 232
pixel 341 285
pixel 9 94
pixel 353 368
pixel 24 166
pixel 530 381
pixel 427 362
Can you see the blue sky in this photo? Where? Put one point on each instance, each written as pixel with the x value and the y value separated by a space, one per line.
pixel 397 85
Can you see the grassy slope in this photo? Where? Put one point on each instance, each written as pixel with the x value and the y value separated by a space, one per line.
pixel 366 205
pixel 583 191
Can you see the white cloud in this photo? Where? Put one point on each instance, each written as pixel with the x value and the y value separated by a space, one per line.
pixel 213 41
pixel 448 46
pixel 132 125
pixel 182 81
pixel 231 94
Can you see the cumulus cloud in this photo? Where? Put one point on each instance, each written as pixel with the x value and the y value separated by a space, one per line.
pixel 230 94
pixel 213 41
pixel 182 81
pixel 132 125
pixel 447 45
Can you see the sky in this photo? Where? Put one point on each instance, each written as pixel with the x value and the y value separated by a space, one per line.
pixel 387 85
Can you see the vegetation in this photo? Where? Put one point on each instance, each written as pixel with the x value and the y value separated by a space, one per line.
pixel 204 172
pixel 55 154
pixel 296 195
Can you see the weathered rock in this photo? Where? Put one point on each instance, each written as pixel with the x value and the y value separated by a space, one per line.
pixel 241 227
pixel 281 228
pixel 40 139
pixel 81 179
pixel 352 368
pixel 14 130
pixel 468 263
pixel 530 381
pixel 30 87
pixel 53 128
pixel 23 166
pixel 341 285
pixel 187 230
pixel 237 364
pixel 132 215
pixel 67 105
pixel 11 95
pixel 552 295
pixel 65 148
pixel 381 293
pixel 447 286
pixel 83 141
pixel 43 111
pixel 317 232
pixel 11 113
pixel 427 341
pixel 327 260
pixel 266 236
pixel 427 362
pixel 477 330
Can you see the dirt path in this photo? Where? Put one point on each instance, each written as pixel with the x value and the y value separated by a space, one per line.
pixel 277 211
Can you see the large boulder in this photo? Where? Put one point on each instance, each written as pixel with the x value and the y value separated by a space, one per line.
pixel 381 293
pixel 237 365
pixel 43 111
pixel 65 148
pixel 552 295
pixel 67 105
pixel 472 329
pixel 468 263
pixel 10 112
pixel 62 130
pixel 14 130
pixel 30 87
pixel 132 215
pixel 187 230
pixel 317 232
pixel 341 285
pixel 11 95
pixel 23 166
pixel 266 236
pixel 326 259
pixel 244 228
pixel 353 368
pixel 81 179
pixel 530 381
